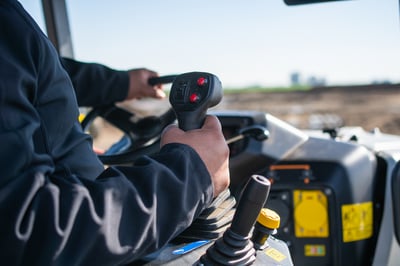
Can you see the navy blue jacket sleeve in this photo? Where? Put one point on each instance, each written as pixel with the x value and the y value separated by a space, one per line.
pixel 58 205
pixel 124 214
pixel 96 84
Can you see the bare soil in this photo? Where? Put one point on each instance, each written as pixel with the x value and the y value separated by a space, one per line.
pixel 371 106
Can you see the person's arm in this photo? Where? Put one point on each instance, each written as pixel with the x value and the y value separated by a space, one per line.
pixel 126 213
pixel 57 205
pixel 96 84
pixel 51 214
pixel 99 85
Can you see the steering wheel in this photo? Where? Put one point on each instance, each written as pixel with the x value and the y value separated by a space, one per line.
pixel 141 137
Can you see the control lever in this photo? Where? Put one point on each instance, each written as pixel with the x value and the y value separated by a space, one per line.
pixel 235 247
pixel 256 132
pixel 161 80
pixel 191 95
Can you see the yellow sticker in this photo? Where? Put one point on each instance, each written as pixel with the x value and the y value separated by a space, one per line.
pixel 275 254
pixel 357 221
pixel 314 250
pixel 310 213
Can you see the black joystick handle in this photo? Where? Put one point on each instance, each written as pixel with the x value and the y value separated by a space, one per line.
pixel 251 202
pixel 235 247
pixel 191 95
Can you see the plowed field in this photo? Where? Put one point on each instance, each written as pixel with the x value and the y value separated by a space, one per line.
pixel 373 106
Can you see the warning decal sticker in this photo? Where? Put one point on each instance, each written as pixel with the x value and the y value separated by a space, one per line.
pixel 357 221
pixel 275 254
pixel 314 250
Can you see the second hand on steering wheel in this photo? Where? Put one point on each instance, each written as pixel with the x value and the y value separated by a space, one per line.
pixel 141 137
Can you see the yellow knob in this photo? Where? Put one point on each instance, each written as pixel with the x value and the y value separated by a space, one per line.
pixel 269 218
pixel 81 117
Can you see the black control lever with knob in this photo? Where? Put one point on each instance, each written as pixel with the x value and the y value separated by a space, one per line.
pixel 235 247
pixel 191 95
pixel 256 132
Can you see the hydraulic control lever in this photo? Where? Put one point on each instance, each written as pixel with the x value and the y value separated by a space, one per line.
pixel 256 132
pixel 250 204
pixel 162 80
pixel 235 247
pixel 191 95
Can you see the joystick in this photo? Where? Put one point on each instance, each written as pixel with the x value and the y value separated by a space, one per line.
pixel 191 95
pixel 235 247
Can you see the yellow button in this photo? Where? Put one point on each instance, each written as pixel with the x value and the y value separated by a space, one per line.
pixel 269 218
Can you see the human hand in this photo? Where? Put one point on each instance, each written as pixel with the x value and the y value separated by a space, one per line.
pixel 210 144
pixel 139 86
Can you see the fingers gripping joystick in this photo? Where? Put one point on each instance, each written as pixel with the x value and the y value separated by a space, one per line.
pixel 191 95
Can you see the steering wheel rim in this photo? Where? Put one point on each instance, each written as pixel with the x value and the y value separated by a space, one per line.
pixel 143 135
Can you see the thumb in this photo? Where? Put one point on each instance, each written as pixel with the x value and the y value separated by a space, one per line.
pixel 211 122
pixel 169 134
pixel 159 93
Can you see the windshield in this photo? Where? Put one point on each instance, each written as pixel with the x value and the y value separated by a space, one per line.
pixel 261 45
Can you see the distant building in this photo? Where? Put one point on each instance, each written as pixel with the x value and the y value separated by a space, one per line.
pixel 295 79
pixel 316 81
pixel 381 82
pixel 312 81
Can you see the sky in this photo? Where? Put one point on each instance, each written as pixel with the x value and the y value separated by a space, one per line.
pixel 243 42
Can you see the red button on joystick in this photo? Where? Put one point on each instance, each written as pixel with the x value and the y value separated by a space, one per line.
pixel 194 98
pixel 201 81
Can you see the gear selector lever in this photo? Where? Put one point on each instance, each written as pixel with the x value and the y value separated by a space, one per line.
pixel 191 95
pixel 235 247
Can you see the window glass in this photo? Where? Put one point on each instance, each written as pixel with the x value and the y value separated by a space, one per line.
pixel 261 46
pixel 263 43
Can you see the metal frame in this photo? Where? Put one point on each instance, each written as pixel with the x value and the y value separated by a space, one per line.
pixel 57 25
